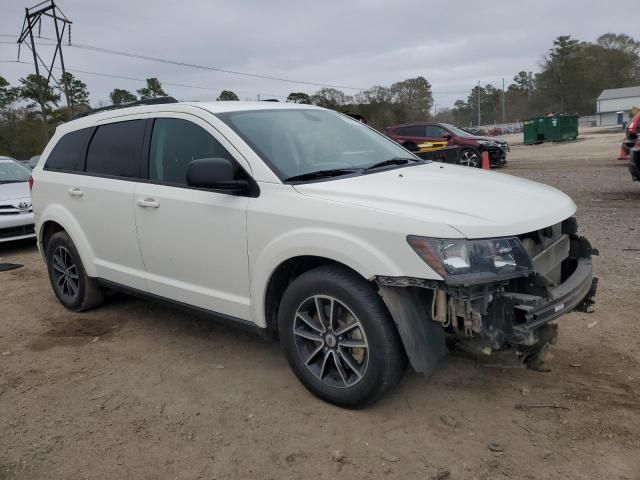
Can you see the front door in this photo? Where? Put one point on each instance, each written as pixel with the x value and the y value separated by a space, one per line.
pixel 193 241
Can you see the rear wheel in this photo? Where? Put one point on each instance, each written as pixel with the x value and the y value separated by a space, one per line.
pixel 69 280
pixel 338 337
pixel 470 158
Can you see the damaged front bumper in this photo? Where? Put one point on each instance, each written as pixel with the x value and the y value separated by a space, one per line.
pixel 515 314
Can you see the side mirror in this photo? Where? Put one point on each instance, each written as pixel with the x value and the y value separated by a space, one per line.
pixel 447 136
pixel 215 174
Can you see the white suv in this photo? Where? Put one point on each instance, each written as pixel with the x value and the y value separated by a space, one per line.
pixel 309 226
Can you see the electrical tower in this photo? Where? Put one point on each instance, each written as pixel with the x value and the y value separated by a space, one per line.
pixel 32 20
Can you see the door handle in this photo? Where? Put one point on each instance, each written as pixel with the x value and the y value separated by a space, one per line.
pixel 75 192
pixel 147 203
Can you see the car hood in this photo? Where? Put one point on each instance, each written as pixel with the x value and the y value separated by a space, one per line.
pixel 477 203
pixel 14 191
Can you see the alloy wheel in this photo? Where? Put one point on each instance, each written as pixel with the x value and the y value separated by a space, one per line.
pixel 65 273
pixel 469 159
pixel 331 341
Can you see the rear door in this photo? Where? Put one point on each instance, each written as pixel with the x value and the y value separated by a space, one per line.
pixel 101 199
pixel 411 134
pixel 193 241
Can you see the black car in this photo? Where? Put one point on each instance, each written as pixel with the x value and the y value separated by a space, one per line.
pixel 634 163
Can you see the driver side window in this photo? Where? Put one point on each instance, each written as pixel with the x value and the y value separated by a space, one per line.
pixel 174 144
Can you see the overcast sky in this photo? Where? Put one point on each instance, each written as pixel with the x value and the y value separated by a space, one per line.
pixel 356 43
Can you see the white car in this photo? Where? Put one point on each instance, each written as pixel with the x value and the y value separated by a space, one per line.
pixel 307 225
pixel 16 213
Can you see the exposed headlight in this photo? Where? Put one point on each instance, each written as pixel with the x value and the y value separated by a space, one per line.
pixel 488 143
pixel 461 261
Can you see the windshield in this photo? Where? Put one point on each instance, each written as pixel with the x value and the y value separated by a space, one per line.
pixel 295 142
pixel 459 132
pixel 12 172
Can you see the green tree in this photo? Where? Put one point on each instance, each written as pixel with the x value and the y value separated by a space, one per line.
pixel 562 75
pixel 375 94
pixel 299 97
pixel 119 96
pixel 36 90
pixel 8 94
pixel 619 41
pixel 227 95
pixel 78 93
pixel 330 98
pixel 152 90
pixel 416 97
pixel 30 89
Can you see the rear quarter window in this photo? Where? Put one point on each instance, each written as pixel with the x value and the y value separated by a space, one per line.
pixel 68 153
pixel 115 149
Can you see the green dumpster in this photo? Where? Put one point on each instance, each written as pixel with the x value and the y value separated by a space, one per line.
pixel 560 127
pixel 533 131
pixel 550 129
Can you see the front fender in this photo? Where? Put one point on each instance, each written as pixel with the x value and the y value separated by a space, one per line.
pixel 352 251
pixel 60 215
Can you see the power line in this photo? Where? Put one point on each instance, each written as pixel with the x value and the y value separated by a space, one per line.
pixel 206 67
pixel 143 80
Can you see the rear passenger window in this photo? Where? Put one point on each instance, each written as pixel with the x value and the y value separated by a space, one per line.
pixel 174 144
pixel 68 153
pixel 115 149
pixel 412 131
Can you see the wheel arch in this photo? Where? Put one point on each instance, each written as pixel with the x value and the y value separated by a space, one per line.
pixel 282 276
pixel 309 247
pixel 56 219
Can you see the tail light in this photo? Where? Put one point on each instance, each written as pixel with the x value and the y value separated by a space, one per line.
pixel 30 182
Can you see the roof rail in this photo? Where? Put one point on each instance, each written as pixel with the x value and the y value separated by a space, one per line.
pixel 149 101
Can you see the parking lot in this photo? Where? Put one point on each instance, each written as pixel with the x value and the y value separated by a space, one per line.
pixel 135 388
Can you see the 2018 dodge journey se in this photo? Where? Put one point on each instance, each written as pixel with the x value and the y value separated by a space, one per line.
pixel 311 227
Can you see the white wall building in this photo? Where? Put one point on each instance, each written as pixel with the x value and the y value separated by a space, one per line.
pixel 614 105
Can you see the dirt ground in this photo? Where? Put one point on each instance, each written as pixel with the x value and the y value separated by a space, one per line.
pixel 137 390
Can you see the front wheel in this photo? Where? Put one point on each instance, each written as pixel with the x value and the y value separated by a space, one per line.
pixel 339 338
pixel 470 158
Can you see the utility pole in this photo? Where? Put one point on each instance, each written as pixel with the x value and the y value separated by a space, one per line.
pixel 503 104
pixel 478 95
pixel 32 19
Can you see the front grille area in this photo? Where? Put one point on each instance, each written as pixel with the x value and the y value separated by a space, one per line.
pixel 548 262
pixel 17 231
pixel 14 210
pixel 548 248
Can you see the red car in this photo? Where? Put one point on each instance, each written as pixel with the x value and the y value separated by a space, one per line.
pixel 410 135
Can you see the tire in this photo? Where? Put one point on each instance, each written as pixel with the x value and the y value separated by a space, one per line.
pixel 69 280
pixel 470 157
pixel 349 366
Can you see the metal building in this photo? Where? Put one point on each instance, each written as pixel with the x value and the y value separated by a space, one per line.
pixel 614 105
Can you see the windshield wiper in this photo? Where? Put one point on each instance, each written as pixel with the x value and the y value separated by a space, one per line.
pixel 334 172
pixel 393 161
